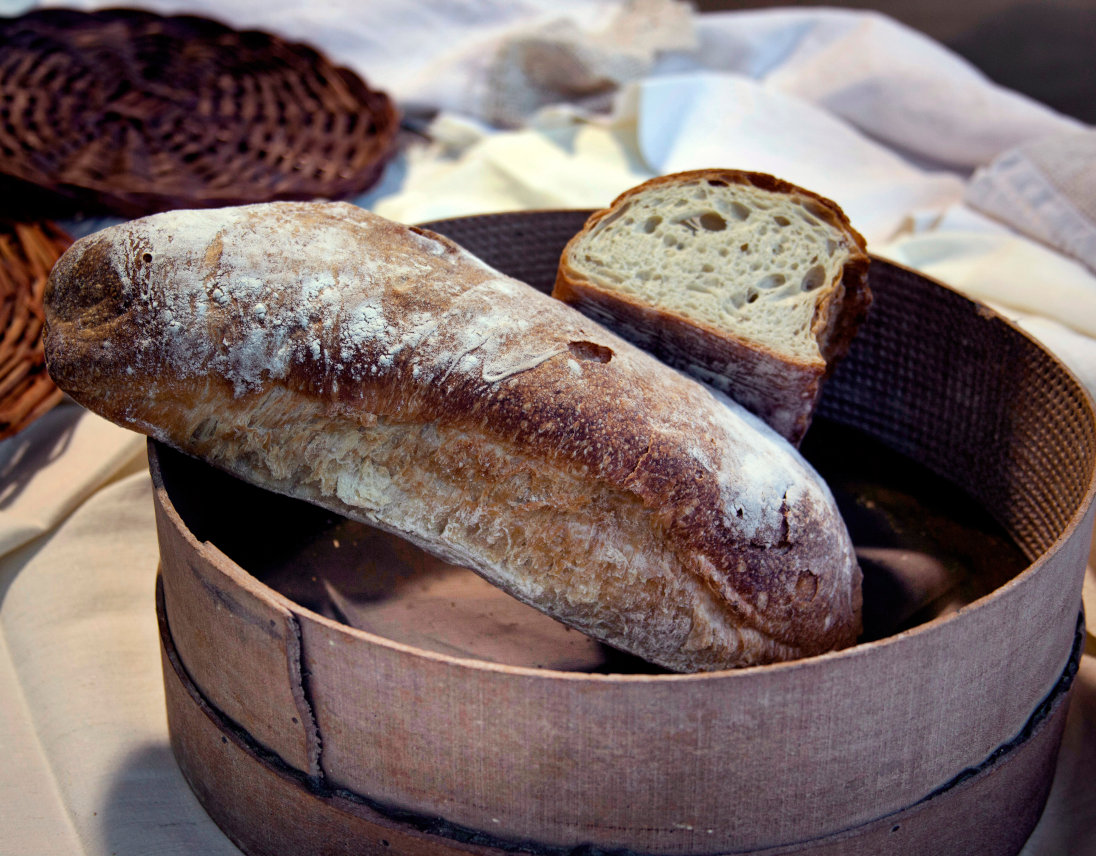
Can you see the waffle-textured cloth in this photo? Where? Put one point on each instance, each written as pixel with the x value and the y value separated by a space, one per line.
pixel 1045 189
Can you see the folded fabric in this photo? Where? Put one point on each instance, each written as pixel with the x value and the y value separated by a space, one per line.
pixel 559 161
pixel 79 627
pixel 991 262
pixel 703 119
pixel 560 62
pixel 886 79
pixel 55 464
pixel 663 124
pixel 1045 189
pixel 1050 296
pixel 432 52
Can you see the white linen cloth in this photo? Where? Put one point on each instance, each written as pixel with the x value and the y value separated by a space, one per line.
pixel 912 141
pixel 1045 189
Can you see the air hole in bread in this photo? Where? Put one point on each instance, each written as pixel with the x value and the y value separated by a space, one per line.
pixel 590 351
pixel 781 220
pixel 651 224
pixel 813 278
pixel 717 182
pixel 709 221
pixel 739 211
pixel 147 257
pixel 773 280
pixel 818 210
pixel 712 222
pixel 614 216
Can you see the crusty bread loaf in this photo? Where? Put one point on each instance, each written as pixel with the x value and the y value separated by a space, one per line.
pixel 386 374
pixel 744 281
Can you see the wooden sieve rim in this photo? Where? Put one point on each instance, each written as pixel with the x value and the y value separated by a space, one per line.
pixel 454 834
pixel 819 661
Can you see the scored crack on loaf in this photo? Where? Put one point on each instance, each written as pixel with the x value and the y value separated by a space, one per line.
pixel 384 373
pixel 746 282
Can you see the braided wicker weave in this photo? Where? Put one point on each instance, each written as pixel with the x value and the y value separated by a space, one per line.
pixel 27 252
pixel 130 112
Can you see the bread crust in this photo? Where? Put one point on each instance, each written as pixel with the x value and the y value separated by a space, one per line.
pixel 381 371
pixel 783 390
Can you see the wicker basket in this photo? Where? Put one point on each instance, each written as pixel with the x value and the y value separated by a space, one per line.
pixel 27 252
pixel 127 112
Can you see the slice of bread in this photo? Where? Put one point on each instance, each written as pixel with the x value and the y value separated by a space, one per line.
pixel 742 280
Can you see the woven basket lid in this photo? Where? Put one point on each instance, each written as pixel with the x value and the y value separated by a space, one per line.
pixel 129 112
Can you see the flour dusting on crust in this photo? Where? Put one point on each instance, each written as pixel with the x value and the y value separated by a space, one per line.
pixel 321 302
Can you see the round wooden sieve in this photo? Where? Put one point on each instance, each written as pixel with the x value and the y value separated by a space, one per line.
pixel 964 457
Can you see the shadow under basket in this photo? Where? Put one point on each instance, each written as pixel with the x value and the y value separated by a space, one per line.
pixel 332 689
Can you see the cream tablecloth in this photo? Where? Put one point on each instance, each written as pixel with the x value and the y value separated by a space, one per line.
pixel 540 105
